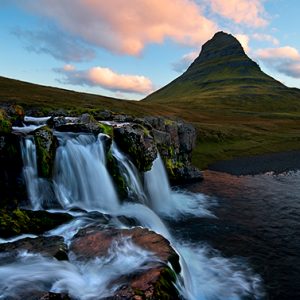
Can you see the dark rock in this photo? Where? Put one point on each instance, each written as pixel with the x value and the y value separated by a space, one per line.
pixel 18 221
pixel 156 282
pixel 54 296
pixel 136 141
pixel 186 174
pixel 12 186
pixel 53 246
pixel 46 144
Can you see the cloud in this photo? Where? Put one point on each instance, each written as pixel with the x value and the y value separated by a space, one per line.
pixel 127 26
pixel 285 60
pixel 247 12
pixel 290 69
pixel 281 53
pixel 184 62
pixel 244 40
pixel 107 79
pixel 55 43
pixel 265 38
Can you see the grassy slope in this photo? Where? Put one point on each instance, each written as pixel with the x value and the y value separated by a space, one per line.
pixel 237 109
pixel 224 131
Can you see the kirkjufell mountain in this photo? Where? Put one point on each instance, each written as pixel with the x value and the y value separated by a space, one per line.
pixel 223 71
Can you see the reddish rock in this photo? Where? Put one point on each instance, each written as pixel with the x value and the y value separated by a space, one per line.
pixel 156 282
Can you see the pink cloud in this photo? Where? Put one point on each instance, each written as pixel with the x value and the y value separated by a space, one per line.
pixel 286 52
pixel 107 79
pixel 285 60
pixel 127 26
pixel 290 69
pixel 69 68
pixel 184 62
pixel 244 40
pixel 248 12
pixel 265 38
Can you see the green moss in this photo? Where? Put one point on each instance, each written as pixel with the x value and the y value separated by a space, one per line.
pixel 46 145
pixel 164 288
pixel 118 179
pixel 107 129
pixel 17 221
pixel 5 124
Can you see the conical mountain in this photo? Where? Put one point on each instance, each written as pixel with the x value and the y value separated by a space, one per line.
pixel 224 73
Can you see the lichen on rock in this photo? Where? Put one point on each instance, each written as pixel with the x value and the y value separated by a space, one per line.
pixel 46 144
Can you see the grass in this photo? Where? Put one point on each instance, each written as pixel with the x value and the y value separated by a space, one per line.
pixel 226 128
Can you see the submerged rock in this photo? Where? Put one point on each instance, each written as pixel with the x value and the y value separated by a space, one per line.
pixel 156 279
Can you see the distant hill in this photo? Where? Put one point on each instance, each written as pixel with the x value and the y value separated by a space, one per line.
pixel 223 74
pixel 236 108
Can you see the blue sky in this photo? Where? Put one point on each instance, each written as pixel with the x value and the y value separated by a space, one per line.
pixel 127 49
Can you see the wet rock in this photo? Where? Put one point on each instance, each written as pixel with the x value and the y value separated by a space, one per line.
pixel 53 246
pixel 53 296
pixel 18 221
pixel 154 282
pixel 85 124
pixel 175 141
pixel 5 123
pixel 12 187
pixel 46 144
pixel 136 141
pixel 15 113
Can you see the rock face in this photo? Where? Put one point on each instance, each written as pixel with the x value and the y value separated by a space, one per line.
pixel 18 221
pixel 11 183
pixel 156 279
pixel 46 144
pixel 53 246
pixel 137 142
pixel 175 141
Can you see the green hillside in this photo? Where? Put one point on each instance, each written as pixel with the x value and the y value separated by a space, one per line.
pixel 224 76
pixel 236 108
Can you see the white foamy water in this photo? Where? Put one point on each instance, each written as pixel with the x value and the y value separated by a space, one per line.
pixel 80 280
pixel 173 204
pixel 81 180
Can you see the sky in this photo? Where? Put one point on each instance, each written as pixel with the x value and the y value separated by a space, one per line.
pixel 130 48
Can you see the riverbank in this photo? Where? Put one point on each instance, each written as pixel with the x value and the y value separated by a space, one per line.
pixel 258 164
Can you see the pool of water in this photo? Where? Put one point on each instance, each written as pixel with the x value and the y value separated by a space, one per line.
pixel 258 221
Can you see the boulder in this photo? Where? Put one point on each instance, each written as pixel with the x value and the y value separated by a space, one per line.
pixel 136 141
pixel 46 144
pixel 84 124
pixel 53 246
pixel 12 186
pixel 19 221
pixel 155 281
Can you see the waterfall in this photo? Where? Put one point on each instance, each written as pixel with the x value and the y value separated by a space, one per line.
pixel 80 177
pixel 173 204
pixel 131 175
pixel 81 180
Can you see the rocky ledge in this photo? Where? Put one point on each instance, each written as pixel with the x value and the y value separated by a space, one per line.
pixel 154 279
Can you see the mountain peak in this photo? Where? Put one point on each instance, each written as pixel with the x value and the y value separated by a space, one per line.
pixel 222 46
pixel 222 70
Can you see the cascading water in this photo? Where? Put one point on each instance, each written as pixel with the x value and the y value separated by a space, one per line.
pixel 82 180
pixel 173 204
pixel 131 175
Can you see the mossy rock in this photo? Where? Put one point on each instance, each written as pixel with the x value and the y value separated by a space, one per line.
pixel 118 179
pixel 19 221
pixel 106 129
pixel 136 141
pixel 46 144
pixel 5 123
